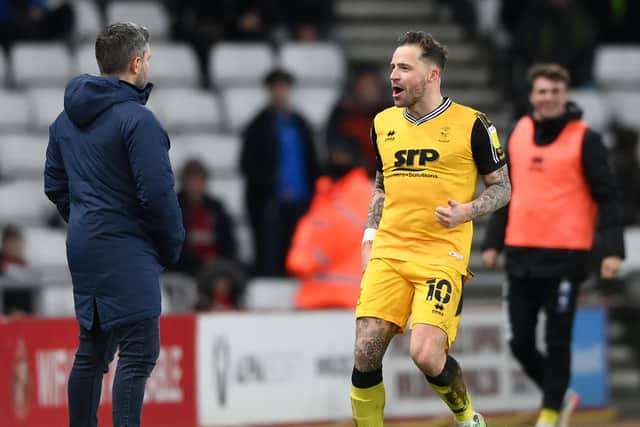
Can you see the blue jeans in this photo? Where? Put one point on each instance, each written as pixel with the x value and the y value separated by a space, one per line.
pixel 139 347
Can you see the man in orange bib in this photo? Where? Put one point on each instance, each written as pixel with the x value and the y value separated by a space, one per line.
pixel 560 178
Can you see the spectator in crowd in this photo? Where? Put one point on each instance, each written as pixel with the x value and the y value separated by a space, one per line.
pixel 208 226
pixel 351 118
pixel 33 20
pixel 559 31
pixel 221 286
pixel 323 251
pixel 13 266
pixel 278 161
pixel 306 20
pixel 617 20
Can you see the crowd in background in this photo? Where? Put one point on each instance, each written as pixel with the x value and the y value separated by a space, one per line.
pixel 279 161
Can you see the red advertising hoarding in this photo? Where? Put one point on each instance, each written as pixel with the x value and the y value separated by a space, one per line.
pixel 36 356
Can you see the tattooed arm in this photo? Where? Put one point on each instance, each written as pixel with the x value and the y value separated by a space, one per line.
pixel 495 196
pixel 373 219
pixel 377 202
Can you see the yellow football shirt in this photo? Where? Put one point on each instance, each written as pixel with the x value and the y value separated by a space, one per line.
pixel 425 162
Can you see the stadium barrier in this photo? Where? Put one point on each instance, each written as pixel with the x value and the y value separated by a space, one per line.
pixel 280 367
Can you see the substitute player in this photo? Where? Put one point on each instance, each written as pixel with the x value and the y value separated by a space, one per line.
pixel 430 152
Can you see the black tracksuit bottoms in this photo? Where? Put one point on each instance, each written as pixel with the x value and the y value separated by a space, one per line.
pixel 557 297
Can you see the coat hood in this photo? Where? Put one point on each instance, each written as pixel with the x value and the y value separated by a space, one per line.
pixel 88 96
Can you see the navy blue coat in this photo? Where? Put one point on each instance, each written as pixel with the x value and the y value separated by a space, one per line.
pixel 108 173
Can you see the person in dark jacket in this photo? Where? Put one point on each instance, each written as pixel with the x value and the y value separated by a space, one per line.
pixel 279 164
pixel 561 179
pixel 208 226
pixel 108 173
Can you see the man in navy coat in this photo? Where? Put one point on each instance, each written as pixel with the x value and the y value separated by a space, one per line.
pixel 108 173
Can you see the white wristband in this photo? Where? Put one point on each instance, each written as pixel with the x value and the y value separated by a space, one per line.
pixel 369 234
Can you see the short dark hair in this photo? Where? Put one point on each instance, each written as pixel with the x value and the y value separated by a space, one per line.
pixel 551 71
pixel 10 232
pixel 118 43
pixel 431 48
pixel 278 76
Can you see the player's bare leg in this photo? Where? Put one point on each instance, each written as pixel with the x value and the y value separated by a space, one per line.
pixel 429 351
pixel 367 392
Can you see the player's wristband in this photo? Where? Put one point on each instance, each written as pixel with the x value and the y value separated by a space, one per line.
pixel 369 234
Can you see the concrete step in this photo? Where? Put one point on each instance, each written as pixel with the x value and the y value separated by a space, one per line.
pixel 385 9
pixel 385 31
pixel 624 379
pixel 380 52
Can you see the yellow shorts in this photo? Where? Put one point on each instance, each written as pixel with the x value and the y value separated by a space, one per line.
pixel 393 289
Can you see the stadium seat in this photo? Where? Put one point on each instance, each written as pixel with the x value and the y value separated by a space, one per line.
pixel 45 247
pixel 22 156
pixel 617 67
pixel 87 19
pixel 245 242
pixel 85 60
pixel 632 249
pixel 180 293
pixel 4 68
pixel 241 105
pixel 265 293
pixel 24 202
pixel 230 191
pixel 14 111
pixel 625 107
pixel 173 65
pixel 151 14
pixel 45 106
pixel 239 64
pixel 313 63
pixel 219 152
pixel 41 64
pixel 186 109
pixel 594 104
pixel 315 104
pixel 177 156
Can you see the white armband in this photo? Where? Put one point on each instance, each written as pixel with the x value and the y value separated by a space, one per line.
pixel 369 234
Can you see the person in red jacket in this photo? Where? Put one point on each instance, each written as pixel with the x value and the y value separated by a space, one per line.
pixel 322 251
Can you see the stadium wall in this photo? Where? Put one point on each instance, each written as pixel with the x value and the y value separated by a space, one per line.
pixel 270 368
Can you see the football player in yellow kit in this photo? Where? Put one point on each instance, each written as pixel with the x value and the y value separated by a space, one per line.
pixel 416 248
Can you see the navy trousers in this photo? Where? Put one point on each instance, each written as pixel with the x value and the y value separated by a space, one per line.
pixel 139 347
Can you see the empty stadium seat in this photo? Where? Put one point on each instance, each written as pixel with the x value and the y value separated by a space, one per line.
pixel 186 109
pixel 238 64
pixel 597 112
pixel 625 106
pixel 173 65
pixel 245 242
pixel 85 60
pixel 177 156
pixel 3 69
pixel 230 191
pixel 22 156
pixel 617 66
pixel 314 63
pixel 151 14
pixel 45 105
pixel 219 152
pixel 45 247
pixel 24 202
pixel 41 64
pixel 265 293
pixel 241 105
pixel 87 19
pixel 315 104
pixel 632 249
pixel 14 111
